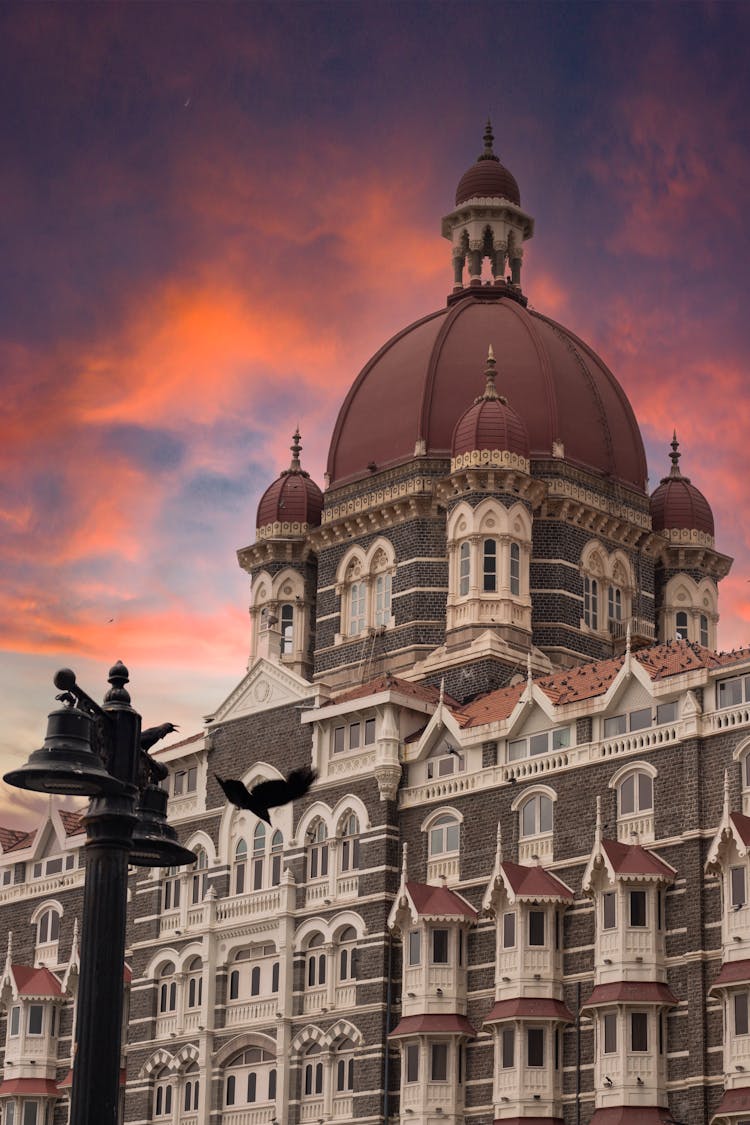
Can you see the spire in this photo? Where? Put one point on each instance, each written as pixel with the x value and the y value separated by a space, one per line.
pixel 404 856
pixel 726 796
pixel 490 390
pixel 598 830
pixel 529 673
pixel 296 449
pixel 499 848
pixel 489 141
pixel 674 456
pixel 9 955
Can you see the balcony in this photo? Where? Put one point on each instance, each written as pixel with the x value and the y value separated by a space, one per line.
pixel 258 1115
pixel 254 1011
pixel 444 867
pixel 315 1000
pixel 636 829
pixel 319 892
pixel 309 1110
pixel 347 887
pixel 342 1108
pixel 166 1026
pixel 346 996
pixel 257 904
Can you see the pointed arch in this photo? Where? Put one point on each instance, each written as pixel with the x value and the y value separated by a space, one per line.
pixel 342 809
pixel 240 1043
pixel 161 1058
pixel 311 1033
pixel 343 1029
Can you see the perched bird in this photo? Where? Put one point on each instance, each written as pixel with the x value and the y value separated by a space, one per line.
pixel 268 794
pixel 151 735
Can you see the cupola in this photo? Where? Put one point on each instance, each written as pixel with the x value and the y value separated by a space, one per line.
pixel 292 504
pixel 677 505
pixel 487 178
pixel 490 427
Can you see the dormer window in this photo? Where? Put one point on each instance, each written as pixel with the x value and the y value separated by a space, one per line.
pixel 737 878
pixel 730 693
pixel 353 735
pixel 444 761
pixel 542 743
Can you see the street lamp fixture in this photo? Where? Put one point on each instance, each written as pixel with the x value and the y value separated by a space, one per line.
pixel 95 751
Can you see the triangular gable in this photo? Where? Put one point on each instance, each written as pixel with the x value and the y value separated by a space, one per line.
pixel 442 723
pixel 521 883
pixel 630 671
pixel 265 686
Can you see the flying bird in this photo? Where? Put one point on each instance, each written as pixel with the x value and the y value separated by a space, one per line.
pixel 268 794
pixel 151 735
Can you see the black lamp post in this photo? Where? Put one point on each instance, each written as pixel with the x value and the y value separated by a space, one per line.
pixel 95 752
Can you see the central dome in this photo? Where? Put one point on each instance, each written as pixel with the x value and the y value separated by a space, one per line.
pixel 410 395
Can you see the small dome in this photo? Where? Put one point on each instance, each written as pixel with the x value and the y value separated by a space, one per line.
pixel 490 423
pixel 487 179
pixel 677 504
pixel 293 503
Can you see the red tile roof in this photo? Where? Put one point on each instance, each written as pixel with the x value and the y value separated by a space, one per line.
pixel 734 1101
pixel 529 1008
pixel 632 1115
pixel 16 841
pixel 733 972
pixel 72 822
pixel 29 1086
pixel 426 692
pixel 632 859
pixel 35 982
pixel 742 824
pixel 447 1022
pixel 493 707
pixel 535 882
pixel 439 901
pixel 631 992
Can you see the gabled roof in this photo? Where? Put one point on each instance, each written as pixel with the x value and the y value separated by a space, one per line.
pixel 73 822
pixel 29 981
pixel 732 972
pixel 47 1087
pixel 438 902
pixel 623 861
pixel 524 883
pixel 424 692
pixel 734 827
pixel 13 840
pixel 734 1101
pixel 447 1023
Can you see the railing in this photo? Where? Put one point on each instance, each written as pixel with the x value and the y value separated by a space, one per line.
pixel 347 886
pixel 641 740
pixel 168 923
pixel 51 885
pixel 535 848
pixel 262 1115
pixel 248 906
pixel 317 892
pixel 636 829
pixel 724 719
pixel 314 1000
pixel 343 1105
pixel 191 1022
pixel 639 627
pixel 448 867
pixel 308 1111
pixel 346 995
pixel 251 1011
pixel 165 1025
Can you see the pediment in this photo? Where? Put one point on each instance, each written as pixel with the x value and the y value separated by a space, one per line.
pixel 265 686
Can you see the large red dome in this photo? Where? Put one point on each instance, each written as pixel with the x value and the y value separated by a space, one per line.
pixel 410 395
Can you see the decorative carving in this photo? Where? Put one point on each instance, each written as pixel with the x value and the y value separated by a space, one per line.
pixel 388 775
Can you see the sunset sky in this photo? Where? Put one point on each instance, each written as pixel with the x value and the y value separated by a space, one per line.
pixel 211 215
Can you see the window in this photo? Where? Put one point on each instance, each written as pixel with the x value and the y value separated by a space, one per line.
pixel 636 793
pixel 15 1021
pixel 259 855
pixel 637 908
pixel 313 1072
pixel 48 927
pixel 737 880
pixel 9 1113
pixel 412 1062
pixel 316 961
pixel 632 721
pixel 610 1033
pixel 508 1047
pixel 464 569
pixel 240 867
pixel 353 736
pixel 167 989
pixel 536 927
pixel 590 602
pixel 277 849
pixel 489 567
pixel 734 691
pixel 614 603
pixel 35 1019
pixel 440 947
pixel 350 844
pixel 535 1046
pixel 703 620
pixel 185 781
pixel 515 569
pixel 609 910
pixel 163 1095
pixel 198 878
pixel 287 630
pixel 251 1077
pixel 639 1031
pixel 170 897
pixel 509 931
pixel 347 950
pixel 444 836
pixel 344 1064
pixel 740 1013
pixel 318 852
pixel 541 743
pixel 382 600
pixel 357 595
pixel 444 761
pixel 666 713
pixel 439 1062
pixel 681 625
pixel 536 815
pixel 195 983
pixel 415 947
pixel 190 1089
pixel 30 1113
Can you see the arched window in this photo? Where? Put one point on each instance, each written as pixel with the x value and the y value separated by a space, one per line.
pixel 489 566
pixel 590 602
pixel 445 836
pixel 195 983
pixel 515 569
pixel 316 961
pixel 163 1094
pixel 350 844
pixel 347 954
pixel 704 637
pixel 277 848
pixel 275 977
pixel 167 989
pixel 382 590
pixel 251 1078
pixel 536 815
pixel 681 625
pixel 464 569
pixel 198 879
pixel 240 866
pixel 259 854
pixel 635 793
pixel 344 1062
pixel 317 858
pixel 190 1088
pixel 614 603
pixel 287 630
pixel 48 927
pixel 313 1074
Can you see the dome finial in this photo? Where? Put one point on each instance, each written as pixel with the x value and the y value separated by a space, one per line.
pixel 296 449
pixel 489 140
pixel 675 455
pixel 490 390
